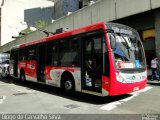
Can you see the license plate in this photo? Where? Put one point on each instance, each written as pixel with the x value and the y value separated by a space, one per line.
pixel 135 88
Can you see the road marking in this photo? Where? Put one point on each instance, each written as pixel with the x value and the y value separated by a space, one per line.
pixel 129 98
pixel 2 99
pixel 113 105
pixel 110 106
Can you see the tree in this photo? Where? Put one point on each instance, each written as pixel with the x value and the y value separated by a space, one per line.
pixel 25 31
pixel 40 24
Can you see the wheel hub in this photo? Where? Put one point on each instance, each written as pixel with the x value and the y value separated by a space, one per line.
pixel 68 85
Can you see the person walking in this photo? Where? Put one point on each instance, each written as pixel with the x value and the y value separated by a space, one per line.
pixel 154 65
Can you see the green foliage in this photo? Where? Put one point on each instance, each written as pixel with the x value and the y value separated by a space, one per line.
pixel 27 30
pixel 24 32
pixel 40 24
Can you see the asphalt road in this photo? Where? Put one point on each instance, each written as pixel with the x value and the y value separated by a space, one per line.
pixel 17 97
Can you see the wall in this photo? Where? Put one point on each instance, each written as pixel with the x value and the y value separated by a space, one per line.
pixel 157 27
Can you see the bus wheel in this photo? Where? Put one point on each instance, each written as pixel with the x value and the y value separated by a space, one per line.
pixel 68 86
pixel 22 76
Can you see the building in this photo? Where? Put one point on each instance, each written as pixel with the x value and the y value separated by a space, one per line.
pixel 88 2
pixel 17 15
pixel 65 7
pixel 21 14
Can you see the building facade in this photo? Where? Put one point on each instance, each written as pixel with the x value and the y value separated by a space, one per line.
pixel 17 15
pixel 65 7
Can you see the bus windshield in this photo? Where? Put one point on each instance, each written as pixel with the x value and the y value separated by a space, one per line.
pixel 128 51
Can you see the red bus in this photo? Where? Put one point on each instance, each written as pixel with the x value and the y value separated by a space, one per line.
pixel 99 59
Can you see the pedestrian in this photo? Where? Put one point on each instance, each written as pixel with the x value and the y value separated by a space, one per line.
pixel 154 65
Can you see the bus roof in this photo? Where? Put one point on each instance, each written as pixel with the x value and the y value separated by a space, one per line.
pixel 100 25
pixel 110 24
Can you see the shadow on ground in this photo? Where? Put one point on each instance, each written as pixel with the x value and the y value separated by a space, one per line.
pixel 77 96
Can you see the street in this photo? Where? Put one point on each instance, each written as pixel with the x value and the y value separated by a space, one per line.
pixel 28 97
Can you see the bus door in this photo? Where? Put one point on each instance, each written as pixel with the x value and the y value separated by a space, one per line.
pixel 92 64
pixel 41 63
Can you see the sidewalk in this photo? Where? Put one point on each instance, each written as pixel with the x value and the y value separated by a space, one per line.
pixel 153 82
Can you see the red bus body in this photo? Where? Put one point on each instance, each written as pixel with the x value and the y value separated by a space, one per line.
pixel 53 75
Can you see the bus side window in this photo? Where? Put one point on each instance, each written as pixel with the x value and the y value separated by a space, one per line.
pixel 69 52
pixel 22 54
pixel 32 54
pixel 52 54
pixel 74 51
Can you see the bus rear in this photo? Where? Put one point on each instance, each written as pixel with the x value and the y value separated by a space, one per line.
pixel 128 71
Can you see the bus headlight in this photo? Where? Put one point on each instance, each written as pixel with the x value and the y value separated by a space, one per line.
pixel 120 78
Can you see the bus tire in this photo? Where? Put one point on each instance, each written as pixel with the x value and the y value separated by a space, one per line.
pixel 22 76
pixel 68 84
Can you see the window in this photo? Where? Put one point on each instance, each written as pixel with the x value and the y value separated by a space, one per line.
pixel 97 44
pixel 31 52
pixel 22 54
pixel 52 54
pixel 63 53
pixel 69 52
pixel 75 52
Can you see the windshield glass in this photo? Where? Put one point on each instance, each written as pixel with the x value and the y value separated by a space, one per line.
pixel 128 51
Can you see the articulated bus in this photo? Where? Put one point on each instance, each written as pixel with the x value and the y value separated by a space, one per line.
pixel 99 59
